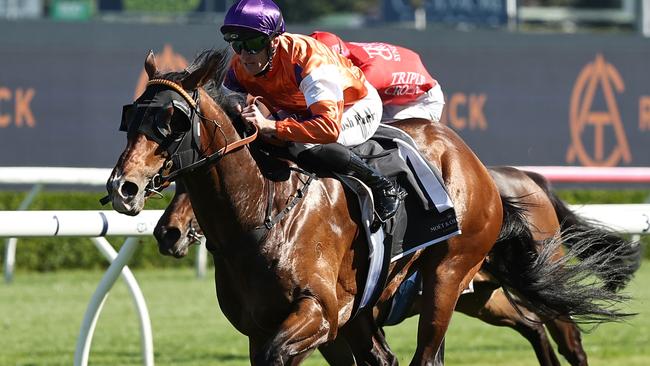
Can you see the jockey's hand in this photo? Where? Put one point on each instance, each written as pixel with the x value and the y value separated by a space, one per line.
pixel 253 115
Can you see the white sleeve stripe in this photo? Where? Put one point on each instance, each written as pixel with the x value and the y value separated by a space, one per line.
pixel 322 83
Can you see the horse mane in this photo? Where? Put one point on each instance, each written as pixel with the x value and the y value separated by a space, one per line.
pixel 206 58
pixel 214 59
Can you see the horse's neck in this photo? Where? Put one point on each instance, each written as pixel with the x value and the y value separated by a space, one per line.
pixel 234 189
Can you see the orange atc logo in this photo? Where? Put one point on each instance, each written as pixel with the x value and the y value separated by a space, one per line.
pixel 597 77
pixel 167 60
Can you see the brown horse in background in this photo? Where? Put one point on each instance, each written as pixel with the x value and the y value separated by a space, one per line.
pixel 293 288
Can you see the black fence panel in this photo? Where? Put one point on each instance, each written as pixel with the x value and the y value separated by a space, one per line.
pixel 516 99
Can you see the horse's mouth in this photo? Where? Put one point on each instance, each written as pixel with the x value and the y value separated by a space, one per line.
pixel 180 252
pixel 126 208
pixel 177 250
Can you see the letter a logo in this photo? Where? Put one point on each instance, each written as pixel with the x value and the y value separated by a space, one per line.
pixel 596 124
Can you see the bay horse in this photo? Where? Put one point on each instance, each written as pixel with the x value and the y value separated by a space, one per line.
pixel 548 214
pixel 291 288
pixel 175 230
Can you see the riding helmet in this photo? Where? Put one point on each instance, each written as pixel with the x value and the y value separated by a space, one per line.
pixel 249 18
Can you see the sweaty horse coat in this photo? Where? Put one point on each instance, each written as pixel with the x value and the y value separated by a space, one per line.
pixel 293 290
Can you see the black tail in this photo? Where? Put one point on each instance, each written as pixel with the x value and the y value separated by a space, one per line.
pixel 625 256
pixel 554 287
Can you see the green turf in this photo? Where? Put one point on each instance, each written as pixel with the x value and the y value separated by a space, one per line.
pixel 41 314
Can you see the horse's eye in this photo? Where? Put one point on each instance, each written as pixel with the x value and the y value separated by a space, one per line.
pixel 162 119
pixel 180 123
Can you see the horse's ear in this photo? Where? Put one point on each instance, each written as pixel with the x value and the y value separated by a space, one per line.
pixel 202 74
pixel 150 65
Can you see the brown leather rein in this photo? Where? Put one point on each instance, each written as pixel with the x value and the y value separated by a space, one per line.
pixel 212 157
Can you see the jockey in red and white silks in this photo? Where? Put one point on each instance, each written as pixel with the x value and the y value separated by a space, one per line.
pixel 405 86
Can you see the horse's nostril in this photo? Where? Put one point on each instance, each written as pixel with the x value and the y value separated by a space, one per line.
pixel 129 189
pixel 172 235
pixel 168 240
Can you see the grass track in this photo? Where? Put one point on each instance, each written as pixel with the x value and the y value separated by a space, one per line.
pixel 40 316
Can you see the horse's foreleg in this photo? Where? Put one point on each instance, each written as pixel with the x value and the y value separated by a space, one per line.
pixel 338 352
pixel 569 342
pixel 302 331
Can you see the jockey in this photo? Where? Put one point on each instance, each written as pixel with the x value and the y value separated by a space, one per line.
pixel 404 85
pixel 322 102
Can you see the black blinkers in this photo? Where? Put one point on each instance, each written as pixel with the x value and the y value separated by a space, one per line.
pixel 166 115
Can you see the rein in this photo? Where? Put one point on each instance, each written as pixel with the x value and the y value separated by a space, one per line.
pixel 260 231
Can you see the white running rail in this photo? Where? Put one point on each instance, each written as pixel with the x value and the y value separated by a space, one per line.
pixel 625 218
pixel 39 177
pixel 95 225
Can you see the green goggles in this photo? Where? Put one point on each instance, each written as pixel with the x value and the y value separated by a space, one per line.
pixel 252 46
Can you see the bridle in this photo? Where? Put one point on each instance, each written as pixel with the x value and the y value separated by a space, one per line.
pixel 183 148
pixel 189 106
pixel 198 116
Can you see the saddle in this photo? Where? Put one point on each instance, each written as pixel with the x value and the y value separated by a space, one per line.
pixel 425 218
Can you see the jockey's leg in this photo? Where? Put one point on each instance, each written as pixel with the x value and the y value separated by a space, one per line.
pixel 427 106
pixel 339 159
pixel 358 124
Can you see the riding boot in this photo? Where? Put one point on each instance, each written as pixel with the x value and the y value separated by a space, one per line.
pixel 386 194
pixel 340 159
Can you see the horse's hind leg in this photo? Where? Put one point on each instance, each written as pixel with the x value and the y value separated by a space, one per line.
pixel 441 283
pixel 569 342
pixel 492 307
pixel 446 271
pixel 367 341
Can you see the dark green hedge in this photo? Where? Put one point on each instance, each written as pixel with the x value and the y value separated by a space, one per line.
pixel 48 254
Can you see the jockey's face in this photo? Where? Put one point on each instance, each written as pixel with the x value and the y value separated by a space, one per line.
pixel 254 63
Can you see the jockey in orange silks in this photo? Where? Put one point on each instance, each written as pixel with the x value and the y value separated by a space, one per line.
pixel 322 102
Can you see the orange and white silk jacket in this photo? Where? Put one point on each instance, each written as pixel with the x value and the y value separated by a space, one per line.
pixel 307 81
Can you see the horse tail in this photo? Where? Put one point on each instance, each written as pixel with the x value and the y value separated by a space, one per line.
pixel 514 214
pixel 555 287
pixel 626 256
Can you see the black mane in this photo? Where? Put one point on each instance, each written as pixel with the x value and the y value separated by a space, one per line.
pixel 211 57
